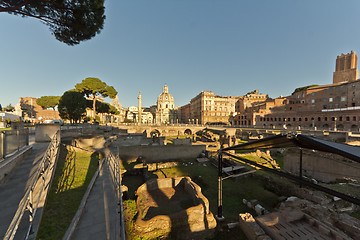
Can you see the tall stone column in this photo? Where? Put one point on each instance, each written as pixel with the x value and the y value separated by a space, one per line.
pixel 139 107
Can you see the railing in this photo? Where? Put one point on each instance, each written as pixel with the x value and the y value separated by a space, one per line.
pixel 35 191
pixel 13 140
pixel 115 171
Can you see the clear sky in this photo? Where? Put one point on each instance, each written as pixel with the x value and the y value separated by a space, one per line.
pixel 230 47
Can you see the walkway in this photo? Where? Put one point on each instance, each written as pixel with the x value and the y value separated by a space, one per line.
pixel 100 219
pixel 12 191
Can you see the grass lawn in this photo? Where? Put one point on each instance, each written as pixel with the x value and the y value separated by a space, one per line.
pixel 74 172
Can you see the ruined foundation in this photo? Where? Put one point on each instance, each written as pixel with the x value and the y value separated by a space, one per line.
pixel 173 208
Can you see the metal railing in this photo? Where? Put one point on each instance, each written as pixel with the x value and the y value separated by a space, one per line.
pixel 115 171
pixel 35 192
pixel 12 141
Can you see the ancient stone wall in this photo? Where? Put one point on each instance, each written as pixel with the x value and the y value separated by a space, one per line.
pixel 161 153
pixel 325 167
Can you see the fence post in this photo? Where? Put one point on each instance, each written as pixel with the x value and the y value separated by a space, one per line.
pixel 18 139
pixel 27 136
pixel 2 145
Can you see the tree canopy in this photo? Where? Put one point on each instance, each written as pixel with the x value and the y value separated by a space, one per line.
pixel 48 101
pixel 70 21
pixel 103 107
pixel 72 106
pixel 94 87
pixel 303 88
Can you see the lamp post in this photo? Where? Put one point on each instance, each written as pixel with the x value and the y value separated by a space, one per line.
pixel 219 215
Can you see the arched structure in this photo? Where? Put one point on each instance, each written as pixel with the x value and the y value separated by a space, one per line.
pixel 155 133
pixel 187 132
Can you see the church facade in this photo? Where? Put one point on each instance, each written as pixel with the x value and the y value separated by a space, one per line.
pixel 164 111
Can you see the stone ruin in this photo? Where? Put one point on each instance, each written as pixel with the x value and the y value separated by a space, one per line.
pixel 300 219
pixel 173 208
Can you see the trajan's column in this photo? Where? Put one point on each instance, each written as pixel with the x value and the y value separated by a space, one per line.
pixel 139 107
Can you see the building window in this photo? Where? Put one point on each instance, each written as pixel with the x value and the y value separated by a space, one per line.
pixel 319 119
pixel 325 118
pixel 337 89
pixel 336 105
pixel 333 119
pixel 330 90
pixel 299 119
pixel 347 118
pixel 324 107
pixel 340 118
pixel 313 94
pixel 294 119
pixel 306 119
pixel 325 99
pixel 343 99
pixel 331 99
pixel 312 100
pixel 288 119
pixel 299 107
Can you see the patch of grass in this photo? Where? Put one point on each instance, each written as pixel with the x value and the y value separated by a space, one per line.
pixel 346 189
pixel 5 129
pixel 74 172
pixel 355 214
pixel 279 158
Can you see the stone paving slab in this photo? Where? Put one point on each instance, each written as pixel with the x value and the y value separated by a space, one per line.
pixel 100 219
pixel 12 191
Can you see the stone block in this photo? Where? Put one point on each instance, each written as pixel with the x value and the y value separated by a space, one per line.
pixel 249 226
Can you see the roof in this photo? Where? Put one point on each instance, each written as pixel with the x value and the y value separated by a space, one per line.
pixel 301 141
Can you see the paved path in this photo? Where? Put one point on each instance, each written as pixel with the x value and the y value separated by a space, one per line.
pixel 12 191
pixel 100 219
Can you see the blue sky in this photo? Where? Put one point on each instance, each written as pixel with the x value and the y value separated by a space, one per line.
pixel 230 47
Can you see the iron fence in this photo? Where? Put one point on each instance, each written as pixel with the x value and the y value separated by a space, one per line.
pixel 12 141
pixel 37 190
pixel 115 172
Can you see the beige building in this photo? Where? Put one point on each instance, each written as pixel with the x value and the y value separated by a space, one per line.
pixel 248 100
pixel 184 114
pixel 207 108
pixel 33 111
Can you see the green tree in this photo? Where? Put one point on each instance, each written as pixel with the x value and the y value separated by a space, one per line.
pixel 113 110
pixel 72 106
pixel 95 87
pixel 48 101
pixel 70 21
pixel 9 108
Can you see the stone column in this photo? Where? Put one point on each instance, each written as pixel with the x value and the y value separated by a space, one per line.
pixel 139 107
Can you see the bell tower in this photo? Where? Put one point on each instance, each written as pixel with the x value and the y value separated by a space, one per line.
pixel 346 68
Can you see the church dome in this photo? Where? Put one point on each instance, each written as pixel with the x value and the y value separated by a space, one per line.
pixel 165 100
